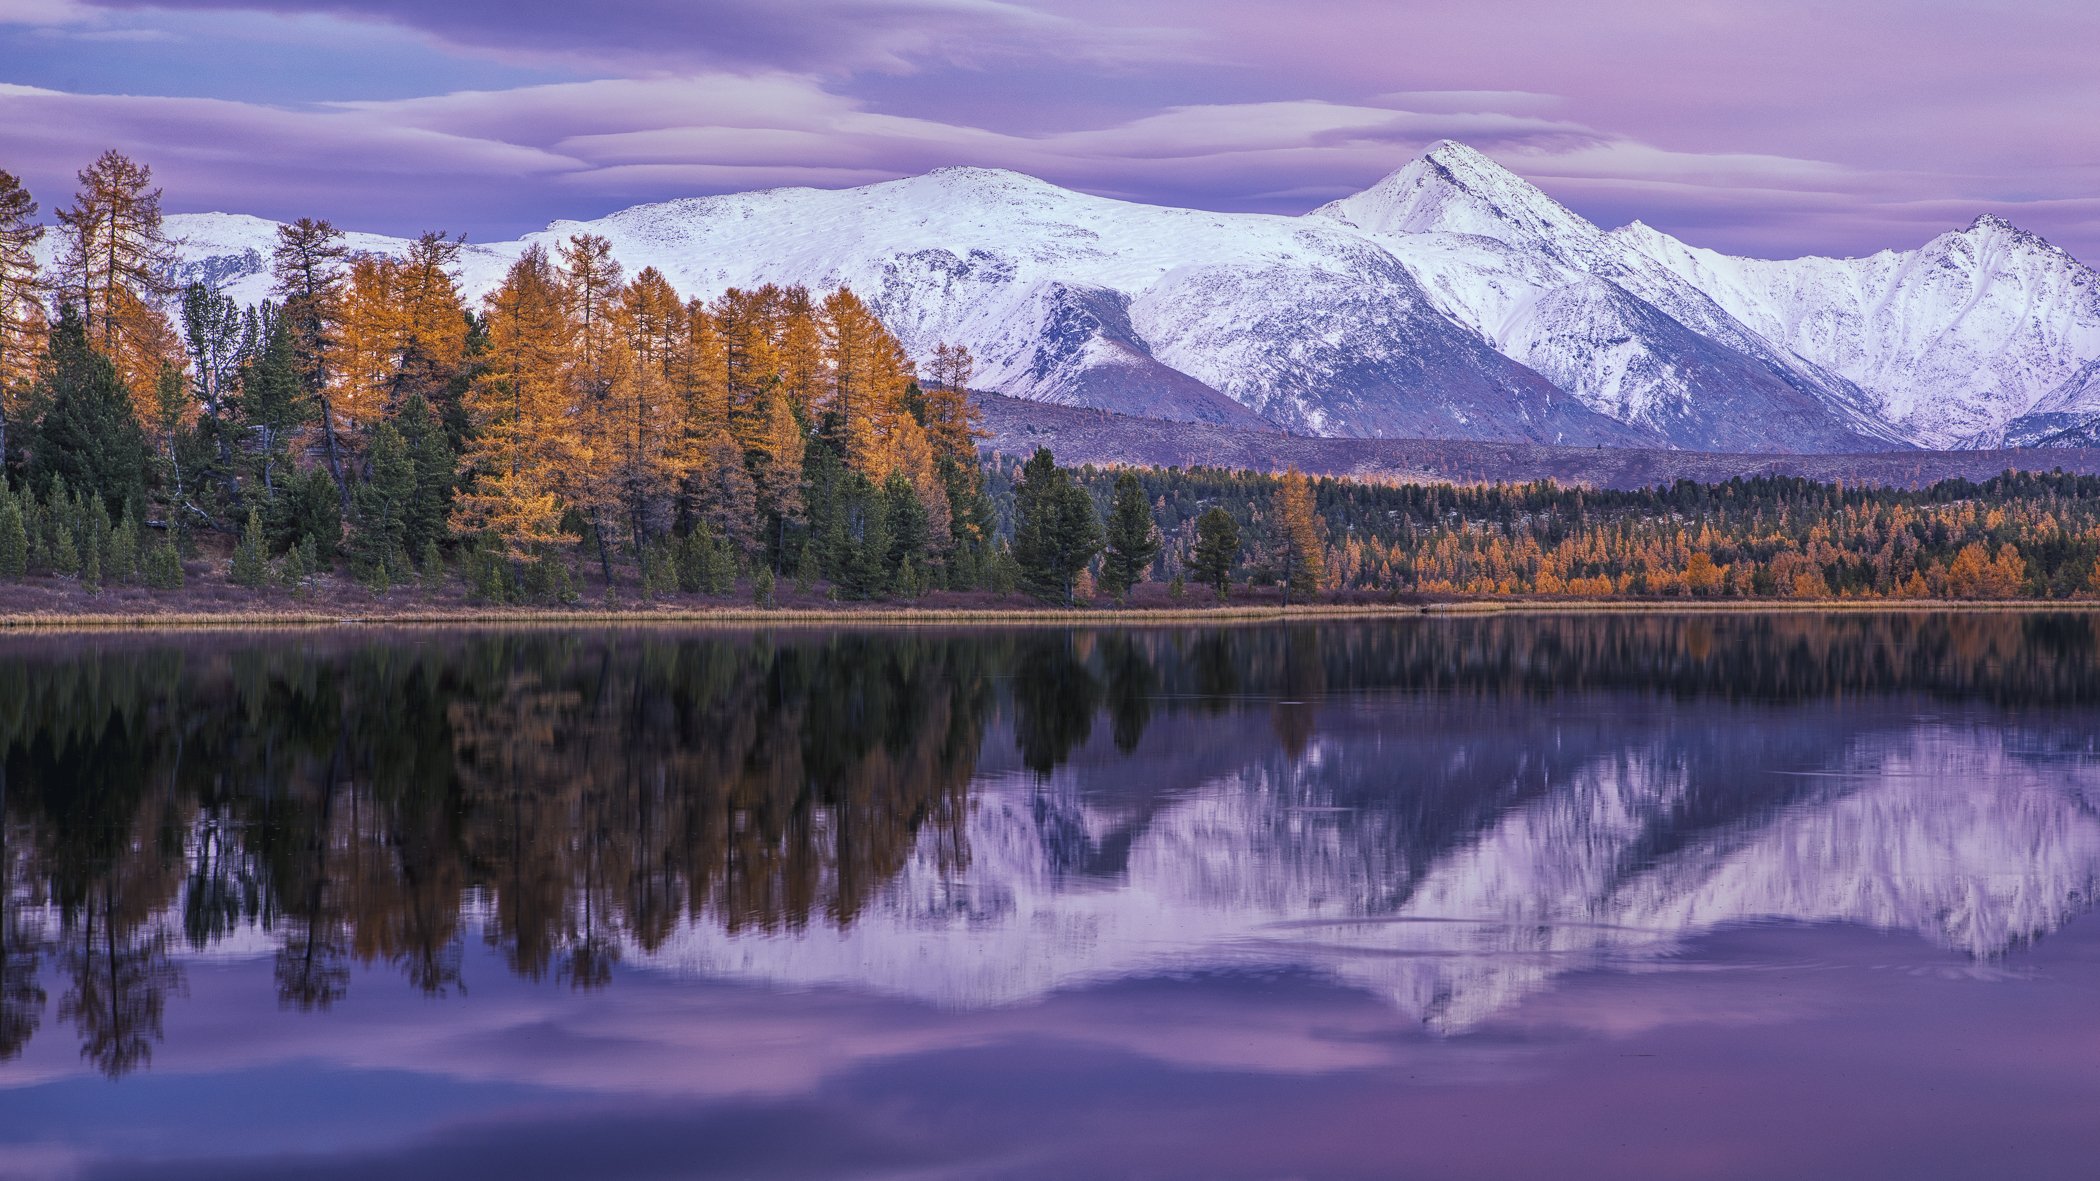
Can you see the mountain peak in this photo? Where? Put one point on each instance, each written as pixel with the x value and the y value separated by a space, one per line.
pixel 1456 189
pixel 1990 235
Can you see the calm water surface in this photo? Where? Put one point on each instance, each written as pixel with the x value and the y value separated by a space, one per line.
pixel 1738 897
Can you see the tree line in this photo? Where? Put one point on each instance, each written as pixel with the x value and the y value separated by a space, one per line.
pixel 366 418
pixel 583 426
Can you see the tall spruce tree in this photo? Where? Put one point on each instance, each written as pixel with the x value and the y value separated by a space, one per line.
pixel 1217 550
pixel 1132 540
pixel 88 433
pixel 910 547
pixel 379 540
pixel 273 406
pixel 436 468
pixel 1056 530
pixel 307 264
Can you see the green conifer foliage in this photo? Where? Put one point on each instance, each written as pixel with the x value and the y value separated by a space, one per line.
pixel 432 567
pixel 909 541
pixel 1056 530
pixel 124 550
pixel 436 472
pixel 14 539
pixel 163 566
pixel 88 433
pixel 379 541
pixel 1132 540
pixel 251 558
pixel 1217 550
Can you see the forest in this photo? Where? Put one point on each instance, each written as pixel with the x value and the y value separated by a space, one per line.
pixel 583 433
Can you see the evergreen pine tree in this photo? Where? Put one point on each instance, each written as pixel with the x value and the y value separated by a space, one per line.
pixel 1132 540
pixel 425 515
pixel 272 406
pixel 14 539
pixel 1056 530
pixel 65 552
pixel 163 566
pixel 866 572
pixel 907 527
pixel 292 571
pixel 88 432
pixel 1217 550
pixel 379 539
pixel 314 513
pixel 124 550
pixel 432 567
pixel 251 557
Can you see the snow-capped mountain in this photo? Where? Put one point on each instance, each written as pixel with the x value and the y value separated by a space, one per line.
pixel 2067 416
pixel 1451 300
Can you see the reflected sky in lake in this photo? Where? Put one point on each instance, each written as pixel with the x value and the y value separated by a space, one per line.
pixel 1742 896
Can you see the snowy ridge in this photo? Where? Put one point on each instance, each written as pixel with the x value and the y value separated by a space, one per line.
pixel 1452 299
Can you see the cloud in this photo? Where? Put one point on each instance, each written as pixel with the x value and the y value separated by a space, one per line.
pixel 817 35
pixel 498 162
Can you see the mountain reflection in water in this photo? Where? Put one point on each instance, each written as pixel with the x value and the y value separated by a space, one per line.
pixel 1447 813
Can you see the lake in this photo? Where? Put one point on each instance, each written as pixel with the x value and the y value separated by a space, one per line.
pixel 1716 896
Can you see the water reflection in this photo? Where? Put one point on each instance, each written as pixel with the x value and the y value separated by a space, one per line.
pixel 1449 813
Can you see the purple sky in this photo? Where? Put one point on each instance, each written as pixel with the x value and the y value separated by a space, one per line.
pixel 1772 127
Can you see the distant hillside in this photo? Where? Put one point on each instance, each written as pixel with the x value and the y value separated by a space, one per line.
pixel 1078 435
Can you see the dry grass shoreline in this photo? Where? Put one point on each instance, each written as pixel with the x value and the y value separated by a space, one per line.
pixel 755 617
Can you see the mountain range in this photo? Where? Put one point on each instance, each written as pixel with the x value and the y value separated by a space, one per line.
pixel 1451 300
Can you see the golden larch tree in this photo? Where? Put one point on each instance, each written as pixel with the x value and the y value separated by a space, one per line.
pixel 22 323
pixel 114 267
pixel 527 434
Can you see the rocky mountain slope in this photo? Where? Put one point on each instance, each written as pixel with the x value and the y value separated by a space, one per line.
pixel 1452 300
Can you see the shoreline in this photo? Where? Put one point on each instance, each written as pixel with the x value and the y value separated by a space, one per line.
pixel 754 617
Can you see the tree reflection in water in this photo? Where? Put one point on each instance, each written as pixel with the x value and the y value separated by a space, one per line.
pixel 371 800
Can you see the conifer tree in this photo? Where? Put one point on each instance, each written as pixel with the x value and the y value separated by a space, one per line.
pixel 640 428
pixel 88 433
pixel 1300 556
pixel 251 557
pixel 307 265
pixel 1056 530
pixel 21 304
pixel 379 536
pixel 218 340
pixel 171 426
pixel 161 568
pixel 436 337
pixel 524 442
pixel 273 407
pixel 436 469
pixel 1132 540
pixel 1217 550
pixel 313 514
pixel 371 337
pixel 953 422
pixel 909 550
pixel 114 266
pixel 14 539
